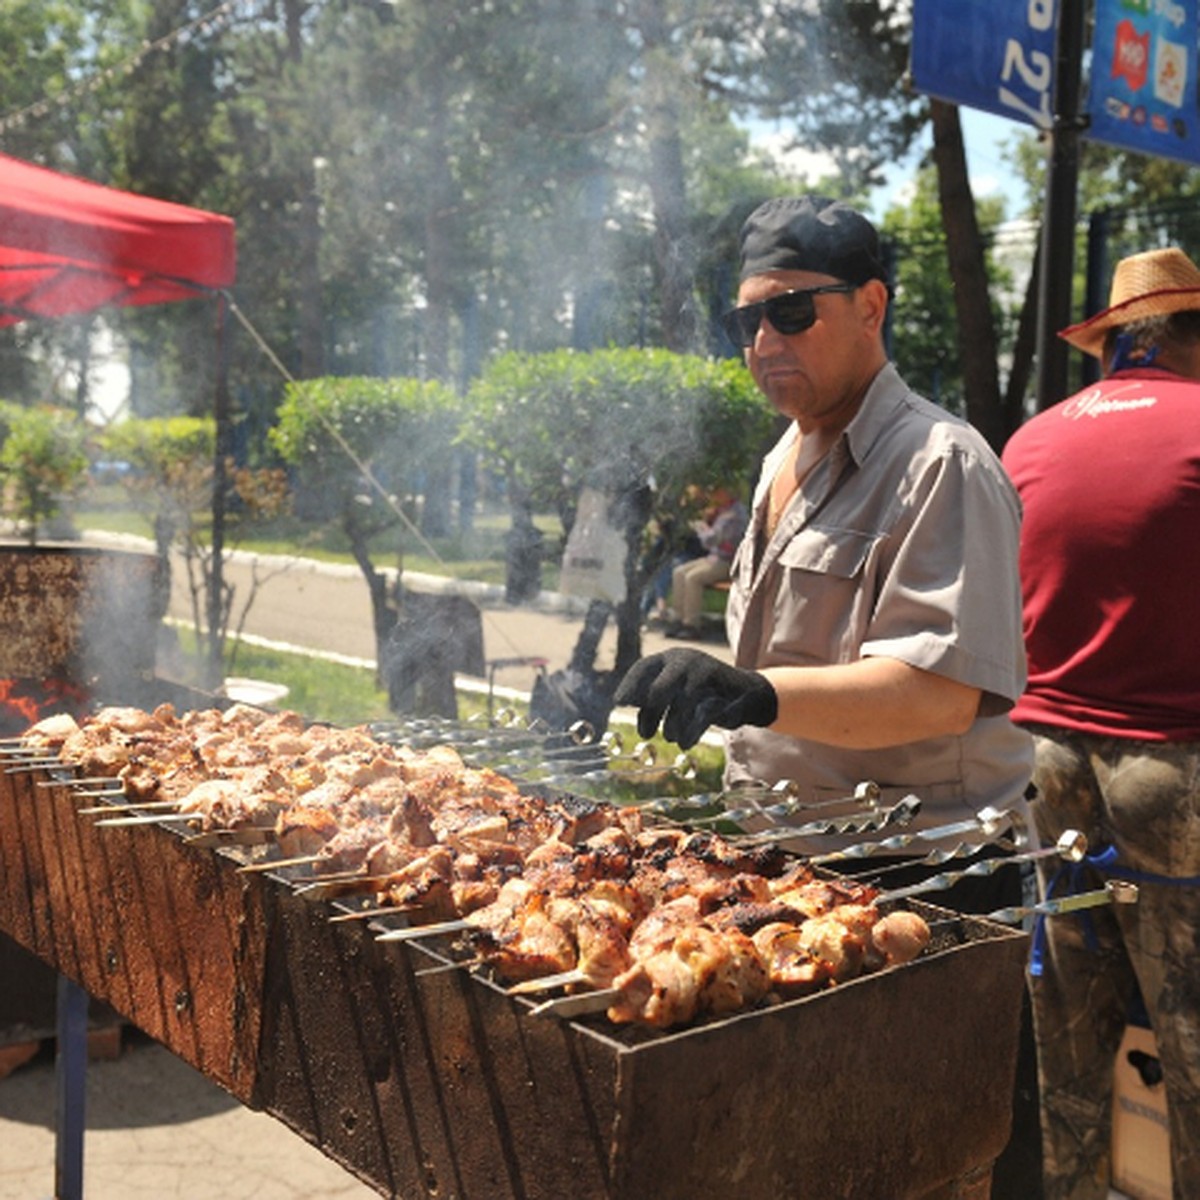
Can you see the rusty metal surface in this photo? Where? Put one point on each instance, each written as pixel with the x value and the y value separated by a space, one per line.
pixel 424 1080
pixel 891 1085
pixel 171 938
pixel 430 1084
pixel 77 613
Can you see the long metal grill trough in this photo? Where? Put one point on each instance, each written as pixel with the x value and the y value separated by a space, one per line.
pixel 427 1080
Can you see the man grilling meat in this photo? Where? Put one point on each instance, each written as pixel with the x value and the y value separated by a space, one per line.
pixel 875 610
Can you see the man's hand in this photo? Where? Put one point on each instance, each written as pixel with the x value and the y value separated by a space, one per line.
pixel 695 690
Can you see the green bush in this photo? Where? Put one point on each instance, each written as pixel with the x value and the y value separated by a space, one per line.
pixel 345 435
pixel 616 419
pixel 171 466
pixel 44 462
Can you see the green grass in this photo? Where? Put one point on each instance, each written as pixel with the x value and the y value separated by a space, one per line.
pixel 323 691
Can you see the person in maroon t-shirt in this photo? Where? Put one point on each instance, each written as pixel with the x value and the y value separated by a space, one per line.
pixel 1110 573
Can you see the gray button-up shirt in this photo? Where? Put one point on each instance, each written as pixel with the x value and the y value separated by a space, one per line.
pixel 902 542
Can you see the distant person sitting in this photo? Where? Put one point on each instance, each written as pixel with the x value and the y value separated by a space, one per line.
pixel 719 532
pixel 674 543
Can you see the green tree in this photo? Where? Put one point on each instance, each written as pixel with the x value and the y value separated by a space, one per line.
pixel 640 425
pixel 44 463
pixel 1127 202
pixel 924 321
pixel 367 446
pixel 41 45
pixel 172 461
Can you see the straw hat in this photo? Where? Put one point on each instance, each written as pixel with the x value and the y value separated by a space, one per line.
pixel 1144 285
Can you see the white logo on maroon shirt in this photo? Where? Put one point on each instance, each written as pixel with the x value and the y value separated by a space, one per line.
pixel 1094 403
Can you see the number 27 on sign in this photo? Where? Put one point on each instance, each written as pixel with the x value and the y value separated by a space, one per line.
pixel 1029 69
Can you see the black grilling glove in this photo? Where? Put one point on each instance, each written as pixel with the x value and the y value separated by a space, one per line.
pixel 695 690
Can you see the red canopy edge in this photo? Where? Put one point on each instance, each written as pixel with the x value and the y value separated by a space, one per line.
pixel 70 246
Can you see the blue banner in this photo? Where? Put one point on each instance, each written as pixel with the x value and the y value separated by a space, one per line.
pixel 997 55
pixel 1143 88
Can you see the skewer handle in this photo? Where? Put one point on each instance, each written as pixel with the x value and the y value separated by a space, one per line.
pixel 1115 891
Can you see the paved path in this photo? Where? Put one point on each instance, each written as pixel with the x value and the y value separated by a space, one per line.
pixel 325 607
pixel 157 1130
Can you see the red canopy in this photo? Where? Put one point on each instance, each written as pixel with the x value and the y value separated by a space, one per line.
pixel 69 246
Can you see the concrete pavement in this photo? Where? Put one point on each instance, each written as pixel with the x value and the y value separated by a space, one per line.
pixel 325 608
pixel 157 1129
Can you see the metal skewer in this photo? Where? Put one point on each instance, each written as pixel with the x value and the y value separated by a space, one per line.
pixel 437 929
pixel 343 885
pixel 704 800
pixel 131 807
pixel 32 764
pixel 577 1006
pixel 940 855
pixel 148 819
pixel 900 813
pixel 1115 891
pixel 773 812
pixel 1070 847
pixel 988 821
pixel 243 835
pixel 367 914
pixel 547 983
pixel 467 964
pixel 272 864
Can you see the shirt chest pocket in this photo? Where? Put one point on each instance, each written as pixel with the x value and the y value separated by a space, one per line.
pixel 822 603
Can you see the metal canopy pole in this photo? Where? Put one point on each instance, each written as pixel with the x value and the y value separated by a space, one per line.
pixel 70 1075
pixel 224 447
pixel 1058 221
pixel 1095 294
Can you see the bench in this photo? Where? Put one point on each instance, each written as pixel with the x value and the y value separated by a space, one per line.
pixel 715 597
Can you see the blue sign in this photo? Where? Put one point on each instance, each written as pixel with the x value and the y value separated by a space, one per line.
pixel 997 55
pixel 1143 88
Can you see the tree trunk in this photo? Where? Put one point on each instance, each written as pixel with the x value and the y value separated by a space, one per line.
pixel 674 257
pixel 1024 349
pixel 308 277
pixel 441 202
pixel 976 332
pixel 383 609
pixel 632 512
pixel 311 341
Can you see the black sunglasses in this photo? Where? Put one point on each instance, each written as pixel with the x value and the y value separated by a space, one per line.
pixel 789 312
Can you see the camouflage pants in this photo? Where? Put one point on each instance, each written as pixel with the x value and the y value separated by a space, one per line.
pixel 1143 799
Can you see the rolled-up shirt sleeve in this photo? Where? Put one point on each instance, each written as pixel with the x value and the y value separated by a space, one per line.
pixel 946 597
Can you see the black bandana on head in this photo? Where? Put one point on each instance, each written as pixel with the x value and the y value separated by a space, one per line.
pixel 810 233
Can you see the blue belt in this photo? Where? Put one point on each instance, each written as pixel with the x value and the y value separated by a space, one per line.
pixel 1071 876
